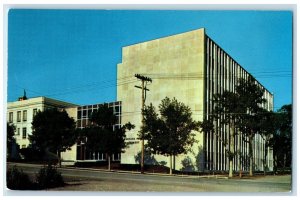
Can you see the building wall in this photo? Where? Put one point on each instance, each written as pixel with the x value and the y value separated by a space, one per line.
pixel 223 73
pixel 29 105
pixel 192 68
pixel 70 155
pixel 175 64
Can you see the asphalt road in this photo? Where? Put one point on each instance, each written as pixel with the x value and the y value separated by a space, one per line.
pixel 79 179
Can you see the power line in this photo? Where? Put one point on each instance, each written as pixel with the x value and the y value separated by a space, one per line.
pixel 128 79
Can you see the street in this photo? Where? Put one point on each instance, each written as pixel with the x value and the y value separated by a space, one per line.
pixel 99 180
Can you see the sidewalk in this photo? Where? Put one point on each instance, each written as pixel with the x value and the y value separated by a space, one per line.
pixel 124 171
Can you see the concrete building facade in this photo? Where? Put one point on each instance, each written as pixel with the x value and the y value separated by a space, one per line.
pixel 190 67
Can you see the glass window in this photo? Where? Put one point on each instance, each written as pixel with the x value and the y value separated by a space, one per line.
pixel 18 131
pixel 89 113
pixel 84 114
pixel 34 112
pixel 117 109
pixel 84 123
pixel 78 123
pixel 24 134
pixel 89 123
pixel 24 115
pixel 11 117
pixel 18 116
pixel 79 114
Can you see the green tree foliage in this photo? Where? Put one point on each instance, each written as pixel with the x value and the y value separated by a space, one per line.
pixel 18 180
pixel 242 112
pixel 101 137
pixel 104 117
pixel 187 165
pixel 170 133
pixel 53 130
pixel 251 101
pixel 226 110
pixel 268 126
pixel 282 138
pixel 11 141
pixel 49 177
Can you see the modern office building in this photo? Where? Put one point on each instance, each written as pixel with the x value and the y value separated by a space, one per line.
pixel 83 114
pixel 21 113
pixel 190 67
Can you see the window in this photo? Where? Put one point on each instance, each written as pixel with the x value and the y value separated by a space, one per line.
pixel 18 131
pixel 79 114
pixel 18 116
pixel 117 109
pixel 84 114
pixel 89 113
pixel 11 117
pixel 24 134
pixel 24 115
pixel 34 112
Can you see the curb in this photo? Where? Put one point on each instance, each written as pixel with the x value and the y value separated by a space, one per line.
pixel 126 172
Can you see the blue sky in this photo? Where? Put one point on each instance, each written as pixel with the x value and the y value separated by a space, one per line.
pixel 72 55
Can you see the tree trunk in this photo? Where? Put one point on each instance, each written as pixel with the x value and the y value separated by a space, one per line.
pixel 240 155
pixel 230 168
pixel 171 165
pixel 275 164
pixel 284 162
pixel 231 150
pixel 265 158
pixel 174 162
pixel 251 155
pixel 59 158
pixel 108 159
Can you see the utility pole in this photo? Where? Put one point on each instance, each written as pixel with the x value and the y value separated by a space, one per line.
pixel 144 90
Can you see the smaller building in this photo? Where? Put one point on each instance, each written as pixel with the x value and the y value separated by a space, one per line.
pixel 20 113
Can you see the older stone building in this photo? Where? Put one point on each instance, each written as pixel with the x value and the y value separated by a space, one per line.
pixel 21 113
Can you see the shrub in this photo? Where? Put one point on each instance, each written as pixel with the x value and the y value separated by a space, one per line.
pixel 31 154
pixel 18 180
pixel 187 165
pixel 49 177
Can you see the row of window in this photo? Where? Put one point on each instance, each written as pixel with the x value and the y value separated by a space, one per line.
pixel 86 111
pixel 19 115
pixel 24 132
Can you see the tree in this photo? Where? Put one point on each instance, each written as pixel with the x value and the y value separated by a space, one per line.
pixel 251 101
pixel 54 131
pixel 11 141
pixel 169 134
pixel 241 110
pixel 282 138
pixel 268 124
pixel 101 136
pixel 227 111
